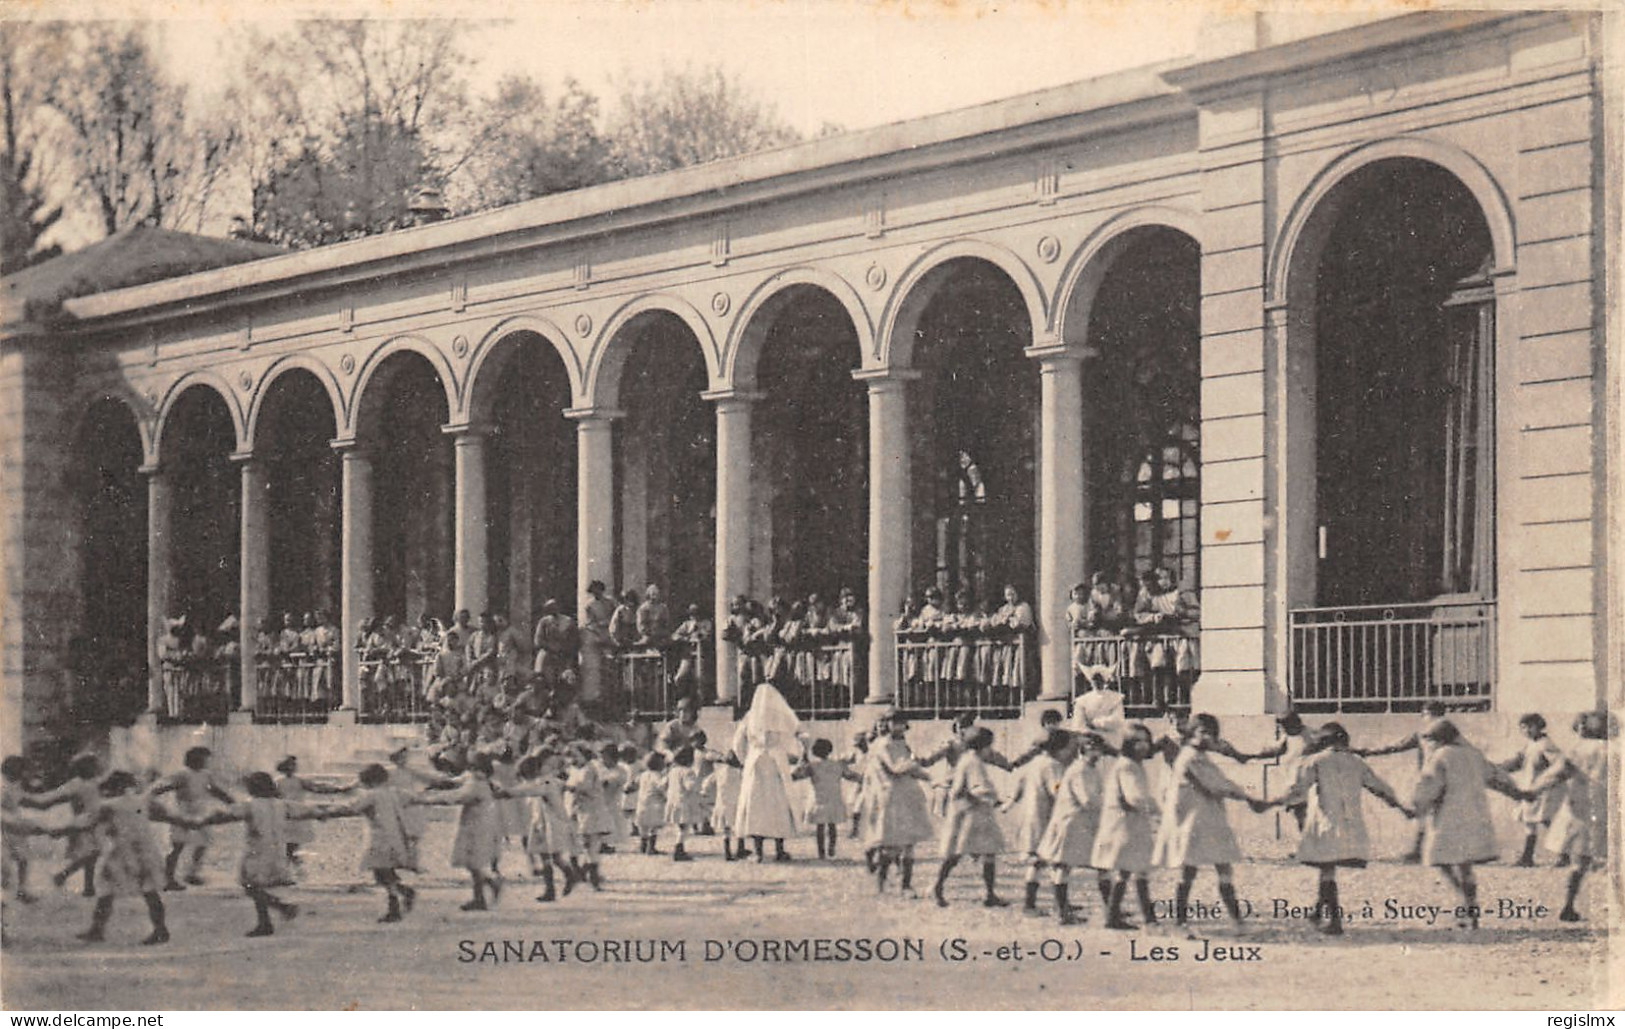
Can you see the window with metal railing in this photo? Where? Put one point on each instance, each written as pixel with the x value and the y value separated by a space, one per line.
pixel 1393 657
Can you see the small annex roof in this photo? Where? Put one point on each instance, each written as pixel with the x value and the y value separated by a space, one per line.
pixel 132 257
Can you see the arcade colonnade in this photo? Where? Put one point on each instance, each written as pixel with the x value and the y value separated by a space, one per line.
pixel 1161 311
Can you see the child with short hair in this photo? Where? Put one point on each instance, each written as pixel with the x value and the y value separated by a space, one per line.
pixel 725 781
pixel 1580 828
pixel 479 830
pixel 827 809
pixel 1329 786
pixel 550 837
pixel 1033 800
pixel 972 828
pixel 14 826
pixel 628 802
pixel 651 805
pixel 292 788
pixel 1124 841
pixel 193 787
pixel 1195 830
pixel 265 863
pixel 82 793
pixel 683 800
pixel 131 863
pixel 1537 755
pixel 391 844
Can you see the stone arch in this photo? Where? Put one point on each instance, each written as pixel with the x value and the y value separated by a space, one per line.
pixel 133 403
pixel 376 360
pixel 920 281
pixel 493 349
pixel 199 380
pixel 603 384
pixel 743 351
pixel 1303 234
pixel 281 366
pixel 1087 268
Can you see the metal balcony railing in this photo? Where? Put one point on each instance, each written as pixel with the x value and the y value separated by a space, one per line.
pixel 296 687
pixel 1154 672
pixel 199 689
pixel 940 677
pixel 818 682
pixel 1393 657
pixel 393 687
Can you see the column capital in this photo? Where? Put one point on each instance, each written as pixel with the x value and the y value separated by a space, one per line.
pixel 466 432
pixel 733 396
pixel 351 449
pixel 243 457
pixel 594 413
pixel 886 380
pixel 151 469
pixel 1051 353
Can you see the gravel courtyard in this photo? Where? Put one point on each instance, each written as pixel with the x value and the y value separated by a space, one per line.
pixel 718 934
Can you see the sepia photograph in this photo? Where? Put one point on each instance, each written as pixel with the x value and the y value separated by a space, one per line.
pixel 810 505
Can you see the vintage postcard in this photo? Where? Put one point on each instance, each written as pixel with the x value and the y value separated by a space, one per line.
pixel 842 505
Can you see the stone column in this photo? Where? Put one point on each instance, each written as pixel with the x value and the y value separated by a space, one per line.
pixel 356 603
pixel 733 524
pixel 159 537
pixel 889 522
pixel 254 580
pixel 595 519
pixel 1061 526
pixel 471 559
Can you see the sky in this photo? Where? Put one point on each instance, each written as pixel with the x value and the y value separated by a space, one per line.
pixel 855 63
pixel 850 63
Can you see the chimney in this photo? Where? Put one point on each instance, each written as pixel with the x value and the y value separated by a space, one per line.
pixel 427 207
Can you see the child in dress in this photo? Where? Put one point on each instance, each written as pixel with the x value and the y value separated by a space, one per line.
pixel 479 830
pixel 130 862
pixel 1195 830
pixel 1034 801
pixel 898 817
pixel 614 778
pixel 14 827
pixel 683 800
pixel 292 788
pixel 650 813
pixel 1125 840
pixel 592 818
pixel 193 787
pixel 1580 828
pixel 265 863
pixel 828 808
pixel 858 761
pixel 628 825
pixel 1537 755
pixel 1329 786
pixel 1457 832
pixel 409 781
pixel 972 827
pixel 1069 841
pixel 725 781
pixel 82 793
pixel 391 845
pixel 551 837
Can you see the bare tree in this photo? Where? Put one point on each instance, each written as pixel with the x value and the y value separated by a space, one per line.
pixel 529 146
pixel 26 211
pixel 690 117
pixel 137 155
pixel 344 121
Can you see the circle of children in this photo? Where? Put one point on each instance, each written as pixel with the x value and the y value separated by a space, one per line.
pixel 1081 798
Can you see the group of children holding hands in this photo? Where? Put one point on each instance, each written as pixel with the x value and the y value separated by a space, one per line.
pixel 1080 798
pixel 1084 799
